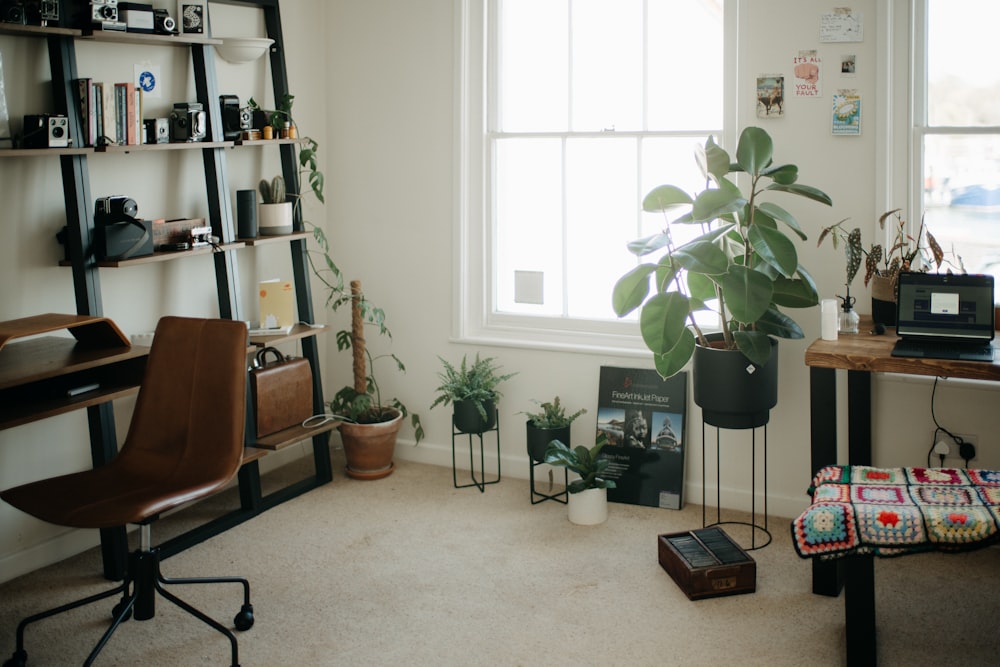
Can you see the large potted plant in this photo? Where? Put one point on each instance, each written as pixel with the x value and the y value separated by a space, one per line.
pixel 744 268
pixel 550 422
pixel 473 390
pixel 588 495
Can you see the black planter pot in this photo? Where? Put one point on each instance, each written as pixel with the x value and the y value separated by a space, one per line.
pixel 466 418
pixel 539 439
pixel 884 312
pixel 731 391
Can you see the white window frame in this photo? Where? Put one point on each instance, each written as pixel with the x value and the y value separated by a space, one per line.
pixel 473 321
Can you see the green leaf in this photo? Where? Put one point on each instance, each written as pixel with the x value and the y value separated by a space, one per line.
pixel 776 323
pixel 747 293
pixel 648 244
pixel 701 288
pixel 785 174
pixel 665 197
pixel 778 213
pixel 702 257
pixel 754 150
pixel 795 293
pixel 631 289
pixel 774 248
pixel 755 346
pixel 663 320
pixel 670 363
pixel 717 202
pixel 803 191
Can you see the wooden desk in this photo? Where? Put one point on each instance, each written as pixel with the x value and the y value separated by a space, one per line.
pixel 861 355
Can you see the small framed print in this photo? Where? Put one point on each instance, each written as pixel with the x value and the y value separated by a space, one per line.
pixel 192 17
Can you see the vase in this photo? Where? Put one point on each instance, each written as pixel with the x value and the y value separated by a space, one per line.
pixel 467 419
pixel 588 507
pixel 539 438
pixel 368 448
pixel 274 219
pixel 883 300
pixel 732 391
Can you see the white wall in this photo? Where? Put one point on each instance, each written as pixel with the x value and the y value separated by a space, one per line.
pixel 387 130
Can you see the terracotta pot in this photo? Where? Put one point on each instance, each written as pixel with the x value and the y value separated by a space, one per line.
pixel 588 507
pixel 368 448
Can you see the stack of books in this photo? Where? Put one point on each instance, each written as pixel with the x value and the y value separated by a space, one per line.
pixel 110 113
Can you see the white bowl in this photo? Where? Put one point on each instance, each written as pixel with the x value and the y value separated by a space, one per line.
pixel 242 49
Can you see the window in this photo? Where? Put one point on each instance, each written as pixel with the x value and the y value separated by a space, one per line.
pixel 577 108
pixel 956 127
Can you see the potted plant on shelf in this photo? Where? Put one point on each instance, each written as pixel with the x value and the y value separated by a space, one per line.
pixel 550 423
pixel 473 390
pixel 882 267
pixel 274 213
pixel 744 268
pixel 588 495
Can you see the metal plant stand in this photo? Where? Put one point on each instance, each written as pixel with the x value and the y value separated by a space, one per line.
pixel 753 524
pixel 481 481
pixel 537 496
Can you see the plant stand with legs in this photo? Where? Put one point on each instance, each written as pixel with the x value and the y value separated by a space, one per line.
pixel 481 481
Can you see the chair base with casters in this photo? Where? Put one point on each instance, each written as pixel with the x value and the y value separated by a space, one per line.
pixel 142 582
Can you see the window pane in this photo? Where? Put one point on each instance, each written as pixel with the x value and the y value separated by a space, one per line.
pixel 529 221
pixel 607 65
pixel 602 204
pixel 533 65
pixel 685 65
pixel 962 198
pixel 962 56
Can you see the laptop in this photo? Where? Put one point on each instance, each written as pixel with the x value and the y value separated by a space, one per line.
pixel 945 316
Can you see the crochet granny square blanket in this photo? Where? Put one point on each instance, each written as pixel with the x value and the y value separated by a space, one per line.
pixel 897 511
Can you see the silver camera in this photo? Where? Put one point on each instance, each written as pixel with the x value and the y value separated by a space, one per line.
pixel 104 15
pixel 46 131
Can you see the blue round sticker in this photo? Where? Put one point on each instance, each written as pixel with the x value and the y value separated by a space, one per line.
pixel 147 81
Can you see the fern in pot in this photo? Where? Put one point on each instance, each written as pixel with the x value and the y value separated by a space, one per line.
pixel 473 389
pixel 550 422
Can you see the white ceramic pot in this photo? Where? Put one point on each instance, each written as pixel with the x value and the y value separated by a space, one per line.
pixel 588 507
pixel 274 218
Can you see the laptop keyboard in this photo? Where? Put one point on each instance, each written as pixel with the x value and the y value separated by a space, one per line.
pixel 957 351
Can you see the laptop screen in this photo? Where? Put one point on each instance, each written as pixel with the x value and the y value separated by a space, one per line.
pixel 938 306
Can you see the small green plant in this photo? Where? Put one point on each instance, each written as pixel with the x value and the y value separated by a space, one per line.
pixel 273 191
pixel 477 382
pixel 584 462
pixel 552 415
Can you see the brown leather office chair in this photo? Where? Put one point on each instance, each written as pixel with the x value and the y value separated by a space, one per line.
pixel 185 442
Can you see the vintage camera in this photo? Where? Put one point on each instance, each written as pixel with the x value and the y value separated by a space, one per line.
pixel 157 130
pixel 104 15
pixel 12 11
pixel 246 118
pixel 231 116
pixel 113 209
pixel 187 122
pixel 42 12
pixel 46 131
pixel 163 23
pixel 202 236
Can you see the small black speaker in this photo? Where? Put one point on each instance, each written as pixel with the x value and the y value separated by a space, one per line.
pixel 246 214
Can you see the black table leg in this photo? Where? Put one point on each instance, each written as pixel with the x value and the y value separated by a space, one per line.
pixel 859 610
pixel 827 575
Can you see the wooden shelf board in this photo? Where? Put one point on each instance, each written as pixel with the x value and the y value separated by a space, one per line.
pixel 300 330
pixel 147 39
pixel 37 31
pixel 275 238
pixel 253 453
pixel 290 436
pixel 43 152
pixel 159 256
pixel 269 142
pixel 172 146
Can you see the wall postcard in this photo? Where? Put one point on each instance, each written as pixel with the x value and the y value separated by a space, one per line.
pixel 643 417
pixel 807 67
pixel 842 25
pixel 771 96
pixel 192 17
pixel 846 117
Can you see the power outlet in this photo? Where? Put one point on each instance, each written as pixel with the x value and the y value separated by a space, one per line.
pixel 953 446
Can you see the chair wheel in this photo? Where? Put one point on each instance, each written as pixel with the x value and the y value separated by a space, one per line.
pixel 118 609
pixel 19 659
pixel 244 619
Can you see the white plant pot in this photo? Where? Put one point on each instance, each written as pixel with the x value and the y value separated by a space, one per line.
pixel 589 507
pixel 274 218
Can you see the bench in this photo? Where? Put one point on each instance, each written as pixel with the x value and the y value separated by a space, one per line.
pixel 859 512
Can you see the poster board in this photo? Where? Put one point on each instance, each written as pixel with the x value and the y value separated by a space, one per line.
pixel 643 417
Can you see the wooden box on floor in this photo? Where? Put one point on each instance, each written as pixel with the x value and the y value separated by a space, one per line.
pixel 706 563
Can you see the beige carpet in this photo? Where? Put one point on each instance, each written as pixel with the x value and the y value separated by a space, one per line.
pixel 410 571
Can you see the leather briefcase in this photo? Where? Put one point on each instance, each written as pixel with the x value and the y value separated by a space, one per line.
pixel 282 390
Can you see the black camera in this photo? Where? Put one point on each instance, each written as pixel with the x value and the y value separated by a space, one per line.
pixel 12 11
pixel 187 122
pixel 45 131
pixel 114 209
pixel 231 116
pixel 163 23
